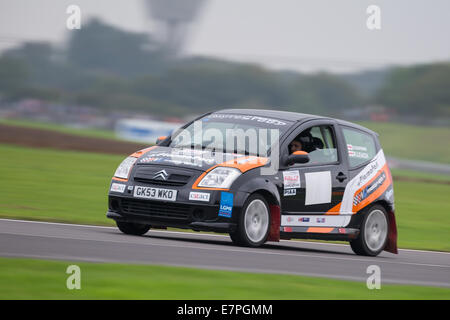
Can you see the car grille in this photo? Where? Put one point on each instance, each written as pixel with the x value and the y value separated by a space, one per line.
pixel 145 175
pixel 154 209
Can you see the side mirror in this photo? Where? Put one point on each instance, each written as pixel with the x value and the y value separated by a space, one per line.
pixel 297 157
pixel 160 139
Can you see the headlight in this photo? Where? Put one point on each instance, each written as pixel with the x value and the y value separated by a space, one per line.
pixel 220 177
pixel 124 168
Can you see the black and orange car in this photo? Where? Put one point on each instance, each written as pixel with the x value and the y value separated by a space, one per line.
pixel 280 175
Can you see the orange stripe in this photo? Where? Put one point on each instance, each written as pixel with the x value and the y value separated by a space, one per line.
pixel 374 178
pixel 139 153
pixel 119 179
pixel 253 162
pixel 335 210
pixel 319 230
pixel 381 189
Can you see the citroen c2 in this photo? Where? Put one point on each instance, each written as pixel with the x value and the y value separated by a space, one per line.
pixel 284 175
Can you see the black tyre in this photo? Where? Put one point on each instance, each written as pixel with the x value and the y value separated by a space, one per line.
pixel 373 233
pixel 253 223
pixel 135 229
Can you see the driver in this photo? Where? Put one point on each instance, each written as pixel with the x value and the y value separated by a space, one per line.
pixel 295 145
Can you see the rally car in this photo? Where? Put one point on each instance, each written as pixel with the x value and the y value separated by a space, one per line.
pixel 261 175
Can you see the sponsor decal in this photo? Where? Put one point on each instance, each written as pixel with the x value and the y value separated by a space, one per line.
pixel 247 117
pixel 226 204
pixel 342 230
pixel 291 179
pixel 356 148
pixel 247 160
pixel 368 173
pixel 117 187
pixel 369 189
pixel 364 176
pixel 199 196
pixel 290 192
pixel 302 220
pixel 358 154
pixel 149 159
pixel 186 157
pixel 130 188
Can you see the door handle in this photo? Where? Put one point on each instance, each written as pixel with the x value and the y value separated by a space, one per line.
pixel 341 177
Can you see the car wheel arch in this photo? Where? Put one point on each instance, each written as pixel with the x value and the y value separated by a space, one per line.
pixel 274 213
pixel 391 243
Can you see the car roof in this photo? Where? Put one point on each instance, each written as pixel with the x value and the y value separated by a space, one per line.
pixel 293 116
pixel 280 115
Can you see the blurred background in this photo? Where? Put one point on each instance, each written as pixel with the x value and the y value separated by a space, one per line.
pixel 137 69
pixel 75 102
pixel 170 60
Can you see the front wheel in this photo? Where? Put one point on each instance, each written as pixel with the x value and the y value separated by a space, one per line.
pixel 135 229
pixel 373 232
pixel 254 223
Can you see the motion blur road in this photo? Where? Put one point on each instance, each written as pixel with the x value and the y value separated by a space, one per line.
pixel 107 244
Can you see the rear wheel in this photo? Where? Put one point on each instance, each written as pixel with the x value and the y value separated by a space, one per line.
pixel 135 229
pixel 373 232
pixel 254 223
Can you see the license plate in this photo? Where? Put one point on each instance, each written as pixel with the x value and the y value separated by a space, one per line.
pixel 155 193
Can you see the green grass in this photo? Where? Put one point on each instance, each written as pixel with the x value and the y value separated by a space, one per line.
pixel 94 133
pixel 42 279
pixel 50 185
pixel 423 215
pixel 413 142
pixel 417 175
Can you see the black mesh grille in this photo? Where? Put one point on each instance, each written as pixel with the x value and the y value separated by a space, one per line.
pixel 154 209
pixel 146 174
pixel 160 182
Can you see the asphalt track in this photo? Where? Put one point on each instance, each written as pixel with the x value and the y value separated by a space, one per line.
pixel 106 244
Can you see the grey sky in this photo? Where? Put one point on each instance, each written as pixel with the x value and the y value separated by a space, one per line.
pixel 290 34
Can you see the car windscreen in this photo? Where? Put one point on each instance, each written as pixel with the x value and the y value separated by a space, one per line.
pixel 232 133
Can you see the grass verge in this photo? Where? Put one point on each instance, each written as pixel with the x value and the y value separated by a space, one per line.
pixel 43 279
pixel 85 132
pixel 413 142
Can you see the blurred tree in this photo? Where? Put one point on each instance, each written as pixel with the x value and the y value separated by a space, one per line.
pixel 324 93
pixel 367 82
pixel 14 74
pixel 47 67
pixel 201 88
pixel 111 68
pixel 422 90
pixel 104 48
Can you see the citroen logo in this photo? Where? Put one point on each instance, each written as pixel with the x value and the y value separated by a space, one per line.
pixel 161 175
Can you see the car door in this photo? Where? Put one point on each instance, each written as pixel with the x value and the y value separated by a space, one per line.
pixel 315 188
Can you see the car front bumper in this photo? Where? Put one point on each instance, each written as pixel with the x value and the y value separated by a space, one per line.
pixel 185 215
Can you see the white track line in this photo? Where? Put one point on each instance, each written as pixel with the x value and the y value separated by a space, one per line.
pixel 200 234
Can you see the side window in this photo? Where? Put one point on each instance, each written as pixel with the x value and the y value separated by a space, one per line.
pixel 319 142
pixel 360 146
